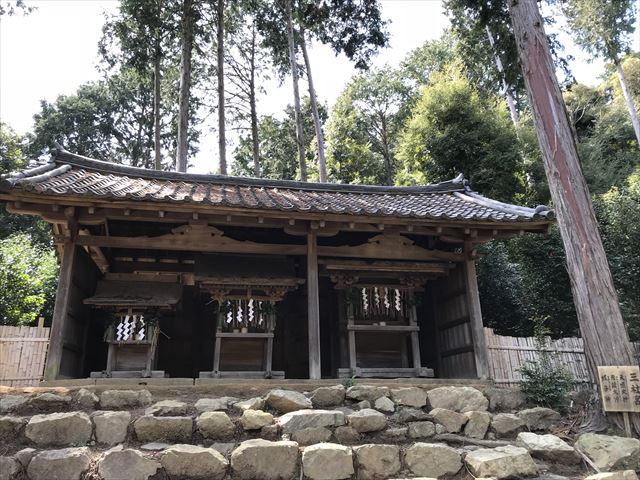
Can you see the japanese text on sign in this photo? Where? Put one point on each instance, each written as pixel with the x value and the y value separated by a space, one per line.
pixel 620 388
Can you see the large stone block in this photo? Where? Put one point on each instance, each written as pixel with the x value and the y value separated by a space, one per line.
pixel 327 461
pixel 539 418
pixel 506 425
pixel 192 462
pixel 64 464
pixel 255 403
pixel 548 447
pixel 367 392
pixel 118 464
pixel 49 401
pixel 367 420
pixel 501 462
pixel 421 429
pixel 384 404
pixel 328 396
pixel 255 419
pixel 301 419
pixel 216 425
pixel 286 401
pixel 504 399
pixel 264 460
pixel 377 462
pixel 10 426
pixel 409 414
pixel 73 428
pixel 85 399
pixel 450 420
pixel 9 468
pixel 459 399
pixel 13 403
pixel 310 436
pixel 432 460
pixel 111 427
pixel 409 396
pixel 215 404
pixel 121 399
pixel 477 424
pixel 171 408
pixel 610 453
pixel 163 429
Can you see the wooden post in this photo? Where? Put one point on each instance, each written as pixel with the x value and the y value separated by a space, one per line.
pixel 313 307
pixel 415 341
pixel 61 308
pixel 480 350
pixel 601 324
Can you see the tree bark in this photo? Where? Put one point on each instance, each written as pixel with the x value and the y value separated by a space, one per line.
pixel 255 140
pixel 156 110
pixel 222 142
pixel 633 113
pixel 296 91
pixel 515 116
pixel 594 295
pixel 322 163
pixel 185 84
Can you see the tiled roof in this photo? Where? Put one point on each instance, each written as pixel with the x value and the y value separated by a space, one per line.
pixel 67 174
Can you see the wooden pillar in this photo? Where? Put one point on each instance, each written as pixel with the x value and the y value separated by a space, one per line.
pixel 475 315
pixel 313 307
pixel 61 309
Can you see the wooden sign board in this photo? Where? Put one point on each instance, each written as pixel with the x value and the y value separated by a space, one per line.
pixel 620 388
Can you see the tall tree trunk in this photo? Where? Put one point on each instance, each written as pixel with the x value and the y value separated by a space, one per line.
pixel 185 84
pixel 255 141
pixel 515 116
pixel 156 109
pixel 222 143
pixel 594 295
pixel 633 113
pixel 386 150
pixel 296 91
pixel 314 110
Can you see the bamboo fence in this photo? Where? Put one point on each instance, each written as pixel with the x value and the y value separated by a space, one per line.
pixel 508 354
pixel 23 351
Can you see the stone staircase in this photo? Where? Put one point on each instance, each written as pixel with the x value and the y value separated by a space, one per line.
pixel 375 432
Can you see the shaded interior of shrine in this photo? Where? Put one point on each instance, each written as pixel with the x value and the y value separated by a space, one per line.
pixel 193 314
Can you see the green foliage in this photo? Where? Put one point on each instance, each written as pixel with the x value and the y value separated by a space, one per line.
pixel 545 382
pixel 602 27
pixel 28 278
pixel 453 130
pixel 278 148
pixel 618 213
pixel 364 126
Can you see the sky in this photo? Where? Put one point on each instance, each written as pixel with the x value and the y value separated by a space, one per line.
pixel 54 50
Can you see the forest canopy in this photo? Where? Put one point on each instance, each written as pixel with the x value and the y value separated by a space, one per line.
pixel 453 105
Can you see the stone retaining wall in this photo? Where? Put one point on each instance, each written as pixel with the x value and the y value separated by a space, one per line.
pixel 332 433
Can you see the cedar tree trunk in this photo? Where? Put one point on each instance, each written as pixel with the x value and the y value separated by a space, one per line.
pixel 594 295
pixel 222 143
pixel 515 117
pixel 314 110
pixel 185 84
pixel 296 91
pixel 633 113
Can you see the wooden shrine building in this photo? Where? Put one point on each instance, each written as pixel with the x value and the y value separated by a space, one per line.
pixel 184 275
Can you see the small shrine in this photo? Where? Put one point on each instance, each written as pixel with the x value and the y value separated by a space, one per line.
pixel 209 276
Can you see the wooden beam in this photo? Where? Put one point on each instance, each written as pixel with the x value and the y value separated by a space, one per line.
pixel 60 311
pixel 313 307
pixel 371 250
pixel 480 351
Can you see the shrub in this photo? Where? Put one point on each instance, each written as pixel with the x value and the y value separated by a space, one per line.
pixel 545 383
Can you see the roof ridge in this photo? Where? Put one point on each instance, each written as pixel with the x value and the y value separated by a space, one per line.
pixel 64 157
